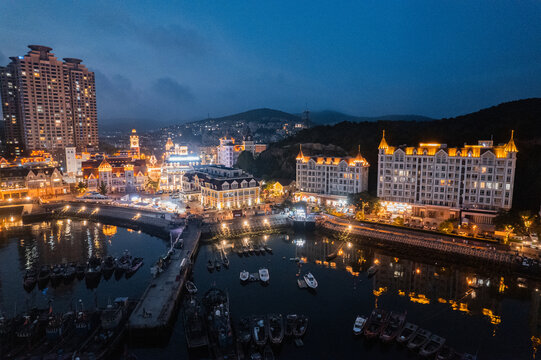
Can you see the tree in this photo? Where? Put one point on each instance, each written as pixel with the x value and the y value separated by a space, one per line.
pixel 151 186
pixel 81 187
pixel 364 203
pixel 246 162
pixel 446 226
pixel 102 189
pixel 399 221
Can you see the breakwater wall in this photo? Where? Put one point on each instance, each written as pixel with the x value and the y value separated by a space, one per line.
pixel 245 226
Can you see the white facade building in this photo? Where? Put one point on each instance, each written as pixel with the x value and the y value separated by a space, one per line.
pixel 227 156
pixel 471 182
pixel 332 175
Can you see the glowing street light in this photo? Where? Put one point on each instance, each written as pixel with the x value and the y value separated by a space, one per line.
pixel 245 223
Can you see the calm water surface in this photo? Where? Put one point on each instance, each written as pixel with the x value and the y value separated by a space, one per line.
pixel 497 320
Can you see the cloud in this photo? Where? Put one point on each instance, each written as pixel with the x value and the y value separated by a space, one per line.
pixel 3 59
pixel 173 90
pixel 172 37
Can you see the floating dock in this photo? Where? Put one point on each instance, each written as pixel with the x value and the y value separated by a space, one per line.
pixel 156 309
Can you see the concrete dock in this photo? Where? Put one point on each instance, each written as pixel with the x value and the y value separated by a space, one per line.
pixel 156 308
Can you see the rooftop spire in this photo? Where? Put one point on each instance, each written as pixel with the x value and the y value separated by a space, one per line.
pixel 383 143
pixel 359 157
pixel 301 155
pixel 510 146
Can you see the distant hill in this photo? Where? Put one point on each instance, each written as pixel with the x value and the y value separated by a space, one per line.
pixel 256 115
pixel 523 116
pixel 330 117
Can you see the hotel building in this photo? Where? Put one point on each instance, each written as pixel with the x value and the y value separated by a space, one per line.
pixel 228 152
pixel 47 104
pixel 220 187
pixel 330 179
pixel 177 161
pixel 469 183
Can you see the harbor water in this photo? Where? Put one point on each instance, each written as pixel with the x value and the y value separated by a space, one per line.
pixel 493 314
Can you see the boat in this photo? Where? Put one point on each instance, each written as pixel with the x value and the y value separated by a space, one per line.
pixel 430 348
pixel 80 271
pixel 93 268
pixel 245 251
pixel 210 265
pixel 375 324
pixel 135 265
pixel 244 333
pixel 310 280
pixel 58 325
pixel 407 333
pixel 276 328
pixel 262 249
pixel 217 262
pixel 69 273
pixel 291 321
pixel 57 274
pixel 421 337
pixel 393 327
pixel 268 249
pixel 372 270
pixel 30 279
pixel 446 353
pixel 255 355
pixel 225 262
pixel 300 326
pixel 216 303
pixel 267 353
pixel 467 356
pixel 44 275
pixel 260 331
pixel 194 323
pixel 251 249
pixel 191 288
pixel 108 267
pixel 123 263
pixel 244 275
pixel 358 326
pixel 264 275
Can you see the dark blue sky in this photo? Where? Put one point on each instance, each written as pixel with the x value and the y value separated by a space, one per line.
pixel 177 61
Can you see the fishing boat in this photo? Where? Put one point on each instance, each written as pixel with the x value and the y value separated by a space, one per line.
pixel 256 248
pixel 310 280
pixel 58 325
pixel 262 250
pixel 244 333
pixel 264 275
pixel 225 260
pixel 210 265
pixel 268 249
pixel 421 337
pixel 446 353
pixel 407 333
pixel 69 273
pixel 135 265
pixel 216 303
pixel 360 322
pixel 80 271
pixel 251 249
pixel 245 251
pixel 244 275
pixel 56 276
pixel 93 268
pixel 191 288
pixel 291 322
pixel 123 263
pixel 393 327
pixel 276 328
pixel 30 279
pixel 375 324
pixel 372 270
pixel 267 353
pixel 217 262
pixel 108 267
pixel 260 331
pixel 430 348
pixel 300 326
pixel 194 323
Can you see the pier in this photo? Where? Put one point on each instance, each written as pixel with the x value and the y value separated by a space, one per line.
pixel 156 309
pixel 245 226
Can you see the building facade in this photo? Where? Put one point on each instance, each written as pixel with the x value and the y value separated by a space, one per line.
pixel 471 182
pixel 220 187
pixel 340 176
pixel 22 182
pixel 47 104
pixel 119 174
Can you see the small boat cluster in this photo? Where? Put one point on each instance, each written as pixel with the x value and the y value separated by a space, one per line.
pixel 262 276
pixel 392 326
pixel 42 333
pixel 208 323
pixel 125 265
pixel 218 259
pixel 251 248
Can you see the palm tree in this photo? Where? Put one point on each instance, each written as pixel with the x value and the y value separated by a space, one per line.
pixel 81 187
pixel 151 186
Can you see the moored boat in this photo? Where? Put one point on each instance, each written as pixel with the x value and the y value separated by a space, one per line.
pixel 372 270
pixel 57 274
pixel 360 322
pixel 434 344
pixel 268 249
pixel 420 338
pixel 244 275
pixel 30 279
pixel 407 333
pixel 244 333
pixel 259 330
pixel 310 280
pixel 276 328
pixel 267 353
pixel 191 288
pixel 135 265
pixel 93 268
pixel 123 263
pixel 300 326
pixel 264 275
pixel 220 332
pixel 108 267
pixel 80 271
pixel 291 322
pixel 393 327
pixel 69 273
pixel 194 323
pixel 375 324
pixel 446 353
pixel 210 265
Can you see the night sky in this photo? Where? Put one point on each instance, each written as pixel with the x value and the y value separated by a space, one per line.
pixel 178 61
